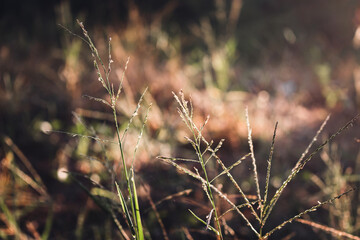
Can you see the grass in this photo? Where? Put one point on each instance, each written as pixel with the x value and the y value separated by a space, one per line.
pixel 261 208
pixel 205 152
pixel 121 202
pixel 130 209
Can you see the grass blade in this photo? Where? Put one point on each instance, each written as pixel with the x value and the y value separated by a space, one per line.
pixel 268 171
pixel 125 209
pixel 139 228
pixel 206 224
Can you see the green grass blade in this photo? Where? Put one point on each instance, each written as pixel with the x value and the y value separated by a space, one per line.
pixel 206 224
pixel 125 209
pixel 140 231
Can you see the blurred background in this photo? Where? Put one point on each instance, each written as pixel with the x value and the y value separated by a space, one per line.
pixel 293 62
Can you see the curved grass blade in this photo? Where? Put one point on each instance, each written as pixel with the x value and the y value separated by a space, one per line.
pixel 206 224
pixel 125 209
pixel 139 228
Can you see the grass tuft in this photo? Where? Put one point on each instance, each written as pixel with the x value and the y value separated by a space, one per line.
pixel 266 204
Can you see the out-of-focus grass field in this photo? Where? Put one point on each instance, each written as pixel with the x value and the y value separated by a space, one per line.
pixel 293 62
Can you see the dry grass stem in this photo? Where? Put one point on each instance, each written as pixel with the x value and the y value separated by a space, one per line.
pixel 332 231
pixel 315 138
pixel 268 172
pixel 256 178
pixel 312 209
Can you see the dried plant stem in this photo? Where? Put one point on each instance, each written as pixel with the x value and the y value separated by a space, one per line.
pixel 312 141
pixel 267 182
pixel 268 172
pixel 202 180
pixel 158 218
pixel 256 177
pixel 186 114
pixel 27 163
pixel 238 188
pixel 332 231
pixel 301 166
pixel 312 209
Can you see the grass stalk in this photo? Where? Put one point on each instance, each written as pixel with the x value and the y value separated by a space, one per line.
pixel 187 115
pixel 256 177
pixel 134 217
pixel 266 204
pixel 301 165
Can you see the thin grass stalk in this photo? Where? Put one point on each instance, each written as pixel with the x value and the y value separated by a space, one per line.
pixel 101 142
pixel 110 60
pixel 97 100
pixel 239 207
pixel 182 159
pixel 105 206
pixel 139 227
pixel 130 184
pixel 84 136
pixel 256 177
pixel 27 163
pixel 312 209
pixel 215 150
pixel 187 233
pixel 122 79
pixel 140 231
pixel 119 226
pixel 268 173
pixel 312 141
pixel 158 217
pixel 135 113
pixel 110 89
pixel 238 187
pixel 334 232
pixel 128 181
pixel 205 223
pixel 120 146
pixel 125 209
pixel 172 196
pixel 187 115
pixel 134 224
pixel 96 57
pixel 228 169
pixel 140 135
pixel 211 198
pixel 202 180
pixel 301 166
